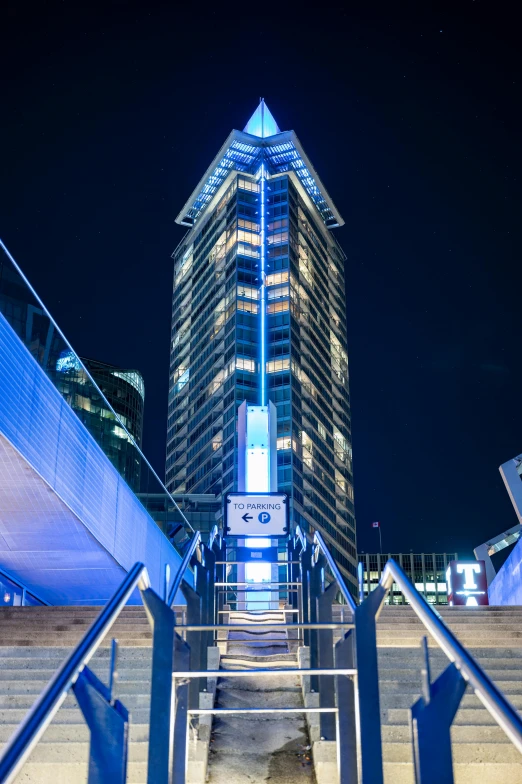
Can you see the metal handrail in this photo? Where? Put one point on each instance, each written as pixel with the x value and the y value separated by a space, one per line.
pixel 43 711
pixel 492 699
pixel 195 542
pixel 213 535
pixel 24 589
pixel 334 569
pixel 300 535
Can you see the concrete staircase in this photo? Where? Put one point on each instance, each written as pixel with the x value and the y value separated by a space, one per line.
pixel 34 642
pixel 481 751
pixel 250 748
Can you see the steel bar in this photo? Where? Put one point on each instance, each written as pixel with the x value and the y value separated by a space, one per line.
pixel 264 584
pixel 264 671
pixel 271 626
pixel 213 711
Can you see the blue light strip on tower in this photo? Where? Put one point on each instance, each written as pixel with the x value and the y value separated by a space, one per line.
pixel 262 305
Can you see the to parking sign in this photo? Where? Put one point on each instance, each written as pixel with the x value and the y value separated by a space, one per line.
pixel 256 514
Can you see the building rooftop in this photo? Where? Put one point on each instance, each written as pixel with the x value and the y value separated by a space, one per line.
pixel 243 151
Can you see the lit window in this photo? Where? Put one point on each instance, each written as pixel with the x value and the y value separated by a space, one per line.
pixel 250 307
pixel 278 224
pixel 277 365
pixel 279 291
pixel 247 250
pixel 276 278
pixel 246 224
pixel 278 307
pixel 277 239
pixel 322 430
pixel 242 363
pixel 247 185
pixel 247 291
pixel 248 236
pixel 285 442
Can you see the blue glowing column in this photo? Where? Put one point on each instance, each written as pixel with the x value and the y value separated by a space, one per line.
pixel 262 305
pixel 257 448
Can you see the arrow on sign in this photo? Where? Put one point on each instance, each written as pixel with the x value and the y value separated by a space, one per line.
pixel 246 517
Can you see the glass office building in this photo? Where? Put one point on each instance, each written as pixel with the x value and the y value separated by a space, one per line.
pixel 427 572
pixel 259 314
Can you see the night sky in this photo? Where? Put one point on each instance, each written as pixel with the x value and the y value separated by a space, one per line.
pixel 411 114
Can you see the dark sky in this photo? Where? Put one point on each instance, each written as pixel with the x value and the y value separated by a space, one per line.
pixel 411 114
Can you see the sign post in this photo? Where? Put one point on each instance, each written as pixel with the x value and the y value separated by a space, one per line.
pixel 256 514
pixel 466 583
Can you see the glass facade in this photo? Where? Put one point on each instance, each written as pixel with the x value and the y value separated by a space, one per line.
pixel 259 313
pixel 108 400
pixel 427 572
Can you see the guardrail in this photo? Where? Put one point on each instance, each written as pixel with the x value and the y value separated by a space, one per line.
pixel 25 591
pixel 108 747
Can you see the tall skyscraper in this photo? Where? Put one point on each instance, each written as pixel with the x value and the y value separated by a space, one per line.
pixel 258 314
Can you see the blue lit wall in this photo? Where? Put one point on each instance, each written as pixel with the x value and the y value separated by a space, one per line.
pixel 70 527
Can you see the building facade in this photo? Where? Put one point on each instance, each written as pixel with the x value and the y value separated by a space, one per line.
pixel 258 315
pixel 427 572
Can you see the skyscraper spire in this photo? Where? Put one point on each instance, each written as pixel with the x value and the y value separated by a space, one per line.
pixel 262 122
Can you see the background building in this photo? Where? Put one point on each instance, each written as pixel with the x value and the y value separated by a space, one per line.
pixel 125 391
pixel 259 314
pixel 427 572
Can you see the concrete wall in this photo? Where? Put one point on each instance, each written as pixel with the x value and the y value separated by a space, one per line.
pixel 506 588
pixel 43 541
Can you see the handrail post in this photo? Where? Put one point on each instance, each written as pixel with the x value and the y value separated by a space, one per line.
pixel 368 687
pixel 326 661
pixel 162 620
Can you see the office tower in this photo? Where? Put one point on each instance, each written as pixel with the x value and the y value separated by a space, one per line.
pixel 258 315
pixel 118 429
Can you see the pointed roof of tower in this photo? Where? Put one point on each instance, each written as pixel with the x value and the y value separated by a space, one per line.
pixel 262 122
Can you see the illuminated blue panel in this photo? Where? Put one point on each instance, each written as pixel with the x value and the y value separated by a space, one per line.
pixel 257 450
pixel 262 122
pixel 70 527
pixel 238 157
pixel 285 157
pixel 262 306
pixel 244 152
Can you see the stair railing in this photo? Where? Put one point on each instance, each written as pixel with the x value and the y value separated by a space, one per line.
pixel 358 730
pixel 107 718
pixel 433 713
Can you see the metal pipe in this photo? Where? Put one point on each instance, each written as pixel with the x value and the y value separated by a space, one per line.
pixel 213 711
pixel 194 542
pixel 272 671
pixel 41 714
pixel 268 626
pixel 318 540
pixel 492 699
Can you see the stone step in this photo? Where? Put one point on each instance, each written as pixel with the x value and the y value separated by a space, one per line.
pixel 43 772
pixel 463 753
pixel 69 715
pixel 275 698
pixel 408 674
pixel 465 716
pixel 478 733
pixel 74 733
pixel 36 687
pixel 413 686
pixel 75 751
pixel 464 773
pixel 390 700
pixel 45 674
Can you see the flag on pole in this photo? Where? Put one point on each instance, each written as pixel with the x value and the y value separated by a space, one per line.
pixel 376 525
